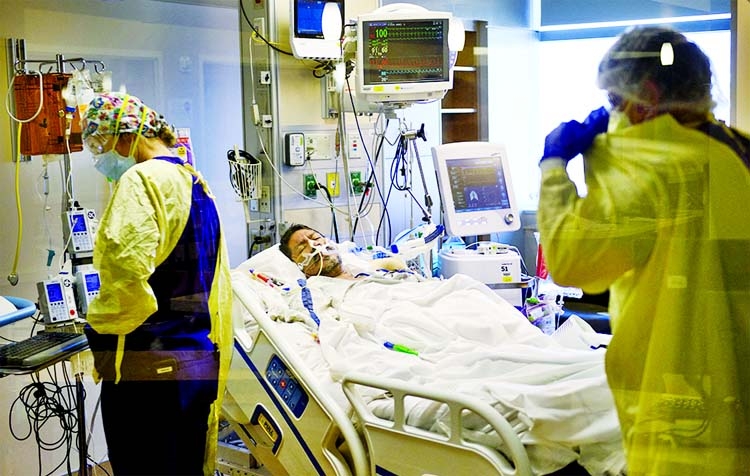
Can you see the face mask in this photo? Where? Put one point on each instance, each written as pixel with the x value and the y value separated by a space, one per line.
pixel 112 165
pixel 618 121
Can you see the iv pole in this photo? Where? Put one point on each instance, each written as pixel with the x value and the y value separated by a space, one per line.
pixel 18 50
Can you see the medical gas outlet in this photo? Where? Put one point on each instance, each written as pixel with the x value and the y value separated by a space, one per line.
pixel 356 179
pixel 310 186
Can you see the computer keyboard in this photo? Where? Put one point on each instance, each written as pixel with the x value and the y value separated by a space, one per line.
pixel 40 348
pixel 680 407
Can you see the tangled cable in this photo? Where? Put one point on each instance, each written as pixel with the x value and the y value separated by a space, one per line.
pixel 51 415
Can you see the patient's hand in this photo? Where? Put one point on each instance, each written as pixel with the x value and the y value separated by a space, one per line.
pixel 391 263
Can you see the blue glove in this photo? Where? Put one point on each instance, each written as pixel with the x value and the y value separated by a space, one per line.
pixel 571 138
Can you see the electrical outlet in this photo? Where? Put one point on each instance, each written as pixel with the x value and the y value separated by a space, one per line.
pixel 332 182
pixel 309 186
pixel 356 179
pixel 260 26
pixel 264 204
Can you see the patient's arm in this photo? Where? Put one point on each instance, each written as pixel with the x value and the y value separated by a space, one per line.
pixel 391 263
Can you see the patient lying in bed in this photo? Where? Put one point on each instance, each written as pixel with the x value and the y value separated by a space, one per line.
pixel 315 255
pixel 459 335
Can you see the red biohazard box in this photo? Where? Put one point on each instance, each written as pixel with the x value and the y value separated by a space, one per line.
pixel 45 133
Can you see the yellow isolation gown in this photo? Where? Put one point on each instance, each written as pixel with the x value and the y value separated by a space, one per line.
pixel 139 229
pixel 665 226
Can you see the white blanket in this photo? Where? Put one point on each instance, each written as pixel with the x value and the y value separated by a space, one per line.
pixel 552 389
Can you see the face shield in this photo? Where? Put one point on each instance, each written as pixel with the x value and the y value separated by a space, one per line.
pixel 107 160
pixel 658 68
pixel 98 144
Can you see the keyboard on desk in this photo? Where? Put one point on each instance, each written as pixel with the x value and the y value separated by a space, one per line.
pixel 39 349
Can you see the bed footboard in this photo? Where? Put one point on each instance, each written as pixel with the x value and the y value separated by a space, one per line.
pixel 395 447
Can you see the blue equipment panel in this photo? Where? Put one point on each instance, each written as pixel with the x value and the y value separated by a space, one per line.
pixel 288 388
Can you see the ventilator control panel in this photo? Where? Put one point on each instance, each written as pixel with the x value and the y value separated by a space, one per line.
pixel 286 386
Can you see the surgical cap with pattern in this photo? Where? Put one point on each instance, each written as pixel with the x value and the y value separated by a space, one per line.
pixel 101 117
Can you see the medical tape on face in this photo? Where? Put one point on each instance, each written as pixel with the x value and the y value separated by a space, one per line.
pixel 318 249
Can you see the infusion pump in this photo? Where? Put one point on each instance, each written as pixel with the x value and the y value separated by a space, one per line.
pixel 82 228
pixel 496 265
pixel 67 297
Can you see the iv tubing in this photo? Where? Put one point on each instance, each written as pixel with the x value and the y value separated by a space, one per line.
pixel 13 274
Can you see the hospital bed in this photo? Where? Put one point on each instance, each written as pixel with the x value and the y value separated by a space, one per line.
pixel 314 387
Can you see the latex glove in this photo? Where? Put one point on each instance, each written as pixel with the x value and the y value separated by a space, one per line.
pixel 571 138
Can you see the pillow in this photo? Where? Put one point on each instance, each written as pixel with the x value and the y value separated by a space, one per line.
pixel 274 264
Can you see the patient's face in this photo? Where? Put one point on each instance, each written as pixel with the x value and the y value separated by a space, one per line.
pixel 302 245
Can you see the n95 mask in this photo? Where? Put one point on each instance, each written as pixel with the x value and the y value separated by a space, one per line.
pixel 618 120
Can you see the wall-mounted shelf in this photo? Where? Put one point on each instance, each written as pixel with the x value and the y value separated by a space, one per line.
pixel 464 68
pixel 459 110
pixel 464 113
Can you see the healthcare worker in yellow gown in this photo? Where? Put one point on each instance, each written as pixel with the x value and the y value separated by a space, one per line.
pixel 160 329
pixel 665 226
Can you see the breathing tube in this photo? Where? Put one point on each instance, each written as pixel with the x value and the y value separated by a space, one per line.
pixel 326 248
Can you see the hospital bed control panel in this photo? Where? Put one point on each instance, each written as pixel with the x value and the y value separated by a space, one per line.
pixel 286 386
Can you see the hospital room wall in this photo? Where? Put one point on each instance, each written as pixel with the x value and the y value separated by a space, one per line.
pixel 301 105
pixel 182 60
pixel 405 209
pixel 295 102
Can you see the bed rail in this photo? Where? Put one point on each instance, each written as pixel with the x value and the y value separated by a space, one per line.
pixel 340 419
pixel 453 455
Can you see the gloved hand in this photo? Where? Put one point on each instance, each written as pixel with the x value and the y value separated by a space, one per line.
pixel 571 138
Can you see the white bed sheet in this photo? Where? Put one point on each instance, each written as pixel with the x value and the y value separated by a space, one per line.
pixel 552 389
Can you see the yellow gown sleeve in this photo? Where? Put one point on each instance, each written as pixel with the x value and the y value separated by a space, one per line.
pixel 600 231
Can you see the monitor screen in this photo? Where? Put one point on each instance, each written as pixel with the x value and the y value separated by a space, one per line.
pixel 54 292
pixel 477 184
pixel 78 223
pixel 475 188
pixel 405 51
pixel 92 282
pixel 403 57
pixel 307 30
pixel 308 18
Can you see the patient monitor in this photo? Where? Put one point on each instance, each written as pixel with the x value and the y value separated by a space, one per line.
pixel 475 188
pixel 315 28
pixel 403 55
